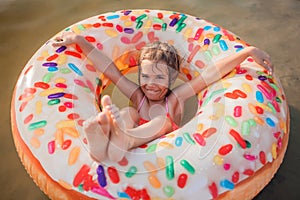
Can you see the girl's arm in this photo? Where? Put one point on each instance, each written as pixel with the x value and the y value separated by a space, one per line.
pixel 101 62
pixel 220 69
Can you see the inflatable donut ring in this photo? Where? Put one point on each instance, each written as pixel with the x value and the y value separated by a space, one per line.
pixel 231 148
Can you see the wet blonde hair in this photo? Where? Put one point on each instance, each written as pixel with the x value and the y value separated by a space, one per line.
pixel 161 52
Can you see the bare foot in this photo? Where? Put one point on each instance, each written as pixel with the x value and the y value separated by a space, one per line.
pixel 97 129
pixel 119 138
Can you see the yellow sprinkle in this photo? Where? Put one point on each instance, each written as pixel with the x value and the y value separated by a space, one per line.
pixel 146 26
pixel 213 117
pixel 65 184
pixel 60 80
pixel 210 35
pixel 187 33
pixel 252 108
pixel 200 127
pixel 201 38
pixel 274 151
pixel 76 30
pixel 171 135
pixel 116 52
pixel 28 98
pixel 50 91
pixel 124 17
pixel 264 106
pixel 45 54
pixel 150 167
pixel 247 87
pixel 38 107
pixel 73 156
pixel 226 84
pixel 39 131
pixel 59 137
pixel 111 33
pixel 128 23
pixel 160 162
pixel 166 145
pixel 35 142
pixel 71 132
pixel 62 59
pixel 218 160
pixel 259 120
pixel 65 123
pixel 153 180
pixel 196 73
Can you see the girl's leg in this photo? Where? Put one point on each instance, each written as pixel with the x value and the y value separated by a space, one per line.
pixel 124 138
pixel 97 129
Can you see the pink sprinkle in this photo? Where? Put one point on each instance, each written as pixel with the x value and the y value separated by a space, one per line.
pixel 249 157
pixel 51 147
pixel 226 166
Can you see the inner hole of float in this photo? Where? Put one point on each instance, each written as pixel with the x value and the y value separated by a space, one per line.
pixel 120 100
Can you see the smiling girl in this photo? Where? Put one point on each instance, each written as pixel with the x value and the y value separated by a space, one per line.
pixel 156 109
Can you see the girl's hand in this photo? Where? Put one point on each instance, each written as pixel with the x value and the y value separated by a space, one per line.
pixel 261 58
pixel 66 38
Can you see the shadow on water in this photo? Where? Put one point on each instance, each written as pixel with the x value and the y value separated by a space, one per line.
pixel 285 184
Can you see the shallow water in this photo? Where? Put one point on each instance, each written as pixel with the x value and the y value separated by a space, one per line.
pixel 272 25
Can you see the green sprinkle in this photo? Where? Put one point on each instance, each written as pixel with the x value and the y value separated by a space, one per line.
pixel 248 144
pixel 274 86
pixel 65 70
pixel 252 122
pixel 36 125
pixel 87 89
pixel 47 77
pixel 231 121
pixel 99 82
pixel 272 107
pixel 151 148
pixel 141 17
pixel 208 55
pixel 81 27
pixel 132 171
pixel 164 26
pixel 187 166
pixel 188 138
pixel 216 50
pixel 245 128
pixel 53 102
pixel 180 27
pixel 181 20
pixel 139 25
pixel 156 19
pixel 169 167
pixel 80 188
pixel 278 100
pixel 168 190
pixel 217 38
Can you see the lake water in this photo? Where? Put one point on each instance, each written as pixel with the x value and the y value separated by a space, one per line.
pixel 272 25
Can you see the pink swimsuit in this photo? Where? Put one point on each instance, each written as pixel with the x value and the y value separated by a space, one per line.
pixel 143 121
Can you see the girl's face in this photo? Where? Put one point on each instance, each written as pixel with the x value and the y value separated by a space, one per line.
pixel 154 79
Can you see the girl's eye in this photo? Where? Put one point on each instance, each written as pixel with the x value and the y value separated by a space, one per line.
pixel 160 77
pixel 144 76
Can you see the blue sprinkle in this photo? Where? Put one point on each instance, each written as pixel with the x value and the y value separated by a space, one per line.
pixel 259 97
pixel 123 195
pixel 270 122
pixel 217 29
pixel 227 184
pixel 52 69
pixel 207 28
pixel 112 17
pixel 178 141
pixel 223 45
pixel 75 69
